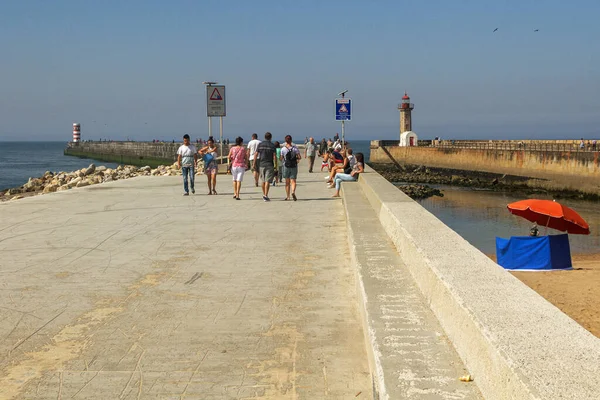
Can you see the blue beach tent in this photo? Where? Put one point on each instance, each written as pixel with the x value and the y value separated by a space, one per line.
pixel 534 253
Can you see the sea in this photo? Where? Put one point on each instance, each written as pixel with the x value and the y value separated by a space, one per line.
pixel 20 161
pixel 479 216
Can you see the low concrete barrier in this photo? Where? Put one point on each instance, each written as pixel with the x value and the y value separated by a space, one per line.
pixel 515 343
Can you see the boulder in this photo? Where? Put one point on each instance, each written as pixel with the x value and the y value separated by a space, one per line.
pixel 147 168
pixel 12 191
pixel 101 168
pixel 83 184
pixel 89 170
pixel 17 197
pixel 50 189
pixel 75 181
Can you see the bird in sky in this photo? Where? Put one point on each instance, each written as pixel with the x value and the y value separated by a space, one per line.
pixel 495 30
pixel 536 30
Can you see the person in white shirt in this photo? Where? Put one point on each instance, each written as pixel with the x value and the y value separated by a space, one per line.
pixel 252 146
pixel 187 156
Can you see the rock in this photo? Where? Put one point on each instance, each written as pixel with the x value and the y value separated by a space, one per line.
pixel 101 168
pixel 75 181
pixel 50 189
pixel 420 191
pixel 147 168
pixel 120 168
pixel 17 197
pixel 89 170
pixel 13 191
pixel 83 184
pixel 48 173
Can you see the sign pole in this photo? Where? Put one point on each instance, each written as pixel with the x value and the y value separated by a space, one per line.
pixel 221 138
pixel 209 127
pixel 343 135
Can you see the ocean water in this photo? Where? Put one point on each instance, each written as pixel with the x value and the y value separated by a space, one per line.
pixel 21 160
pixel 479 216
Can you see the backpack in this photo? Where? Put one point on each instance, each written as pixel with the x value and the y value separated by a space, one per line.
pixel 291 161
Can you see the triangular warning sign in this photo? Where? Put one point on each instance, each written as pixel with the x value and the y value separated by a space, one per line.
pixel 343 109
pixel 216 95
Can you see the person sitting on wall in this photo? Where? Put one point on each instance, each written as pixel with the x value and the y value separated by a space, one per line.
pixel 346 167
pixel 337 158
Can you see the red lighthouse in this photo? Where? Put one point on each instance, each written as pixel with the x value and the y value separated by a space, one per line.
pixel 405 108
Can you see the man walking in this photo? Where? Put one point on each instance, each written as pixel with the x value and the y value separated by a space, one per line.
pixel 187 156
pixel 264 162
pixel 252 146
pixel 310 152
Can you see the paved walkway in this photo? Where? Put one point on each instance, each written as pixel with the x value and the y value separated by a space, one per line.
pixel 128 290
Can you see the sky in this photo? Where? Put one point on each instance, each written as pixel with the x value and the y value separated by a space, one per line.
pixel 134 69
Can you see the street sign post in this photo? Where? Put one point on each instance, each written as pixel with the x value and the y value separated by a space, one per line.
pixel 343 112
pixel 215 107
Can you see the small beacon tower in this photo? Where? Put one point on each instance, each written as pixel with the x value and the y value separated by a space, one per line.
pixel 407 136
pixel 76 132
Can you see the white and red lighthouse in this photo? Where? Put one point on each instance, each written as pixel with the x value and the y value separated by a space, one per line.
pixel 407 136
pixel 76 132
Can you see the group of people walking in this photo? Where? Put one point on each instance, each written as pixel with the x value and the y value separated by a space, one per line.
pixel 269 162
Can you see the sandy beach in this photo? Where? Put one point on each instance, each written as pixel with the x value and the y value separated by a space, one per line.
pixel 575 292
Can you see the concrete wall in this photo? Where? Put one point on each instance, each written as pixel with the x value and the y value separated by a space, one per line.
pixel 565 169
pixel 133 153
pixel 515 343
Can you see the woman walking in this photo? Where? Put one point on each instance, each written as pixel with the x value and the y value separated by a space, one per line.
pixel 237 157
pixel 211 168
pixel 290 155
pixel 359 167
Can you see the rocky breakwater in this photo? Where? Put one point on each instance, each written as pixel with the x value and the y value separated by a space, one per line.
pixel 415 191
pixel 421 174
pixel 58 181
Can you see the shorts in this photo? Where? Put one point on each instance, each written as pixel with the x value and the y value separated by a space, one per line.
pixel 212 168
pixel 290 173
pixel 267 173
pixel 251 166
pixel 238 173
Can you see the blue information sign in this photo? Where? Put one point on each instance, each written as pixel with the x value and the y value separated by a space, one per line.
pixel 343 109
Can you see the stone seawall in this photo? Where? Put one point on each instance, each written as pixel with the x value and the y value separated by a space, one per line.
pixel 569 169
pixel 513 342
pixel 132 153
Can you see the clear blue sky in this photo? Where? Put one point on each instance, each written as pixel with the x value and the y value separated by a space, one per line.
pixel 136 67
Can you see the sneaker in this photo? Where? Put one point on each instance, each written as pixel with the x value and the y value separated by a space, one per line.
pixel 186 194
pixel 193 191
pixel 265 198
pixel 326 177
pixel 294 196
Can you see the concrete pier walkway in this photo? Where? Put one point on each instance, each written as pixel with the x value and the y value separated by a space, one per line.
pixel 128 290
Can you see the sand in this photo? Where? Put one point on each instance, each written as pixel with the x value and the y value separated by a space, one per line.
pixel 575 292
